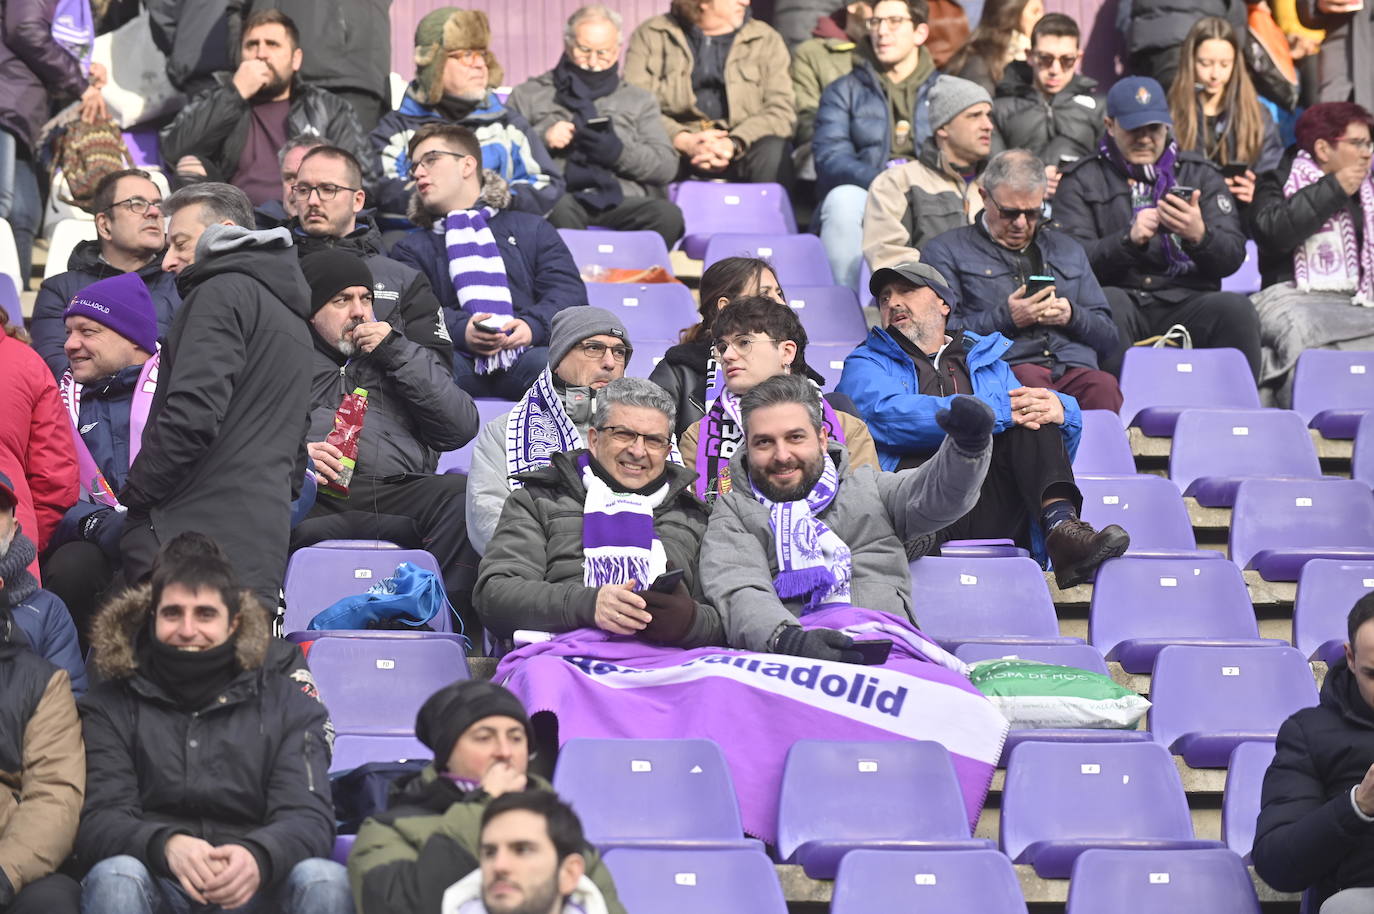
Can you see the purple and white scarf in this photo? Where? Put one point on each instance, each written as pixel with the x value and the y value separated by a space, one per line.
pixel 1330 260
pixel 618 539
pixel 1149 184
pixel 479 276
pixel 813 562
pixel 537 428
pixel 94 486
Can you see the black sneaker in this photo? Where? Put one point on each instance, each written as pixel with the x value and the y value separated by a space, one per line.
pixel 1076 549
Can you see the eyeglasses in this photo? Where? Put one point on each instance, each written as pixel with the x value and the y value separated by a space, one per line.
pixel 327 192
pixel 742 345
pixel 1359 144
pixel 1011 215
pixel 875 23
pixel 596 350
pixel 471 57
pixel 1045 61
pixel 136 205
pixel 431 158
pixel 625 437
pixel 605 55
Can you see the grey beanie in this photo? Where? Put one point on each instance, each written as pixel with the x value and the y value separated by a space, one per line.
pixel 951 95
pixel 573 325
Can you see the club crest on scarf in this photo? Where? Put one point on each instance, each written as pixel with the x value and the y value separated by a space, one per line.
pixel 1333 259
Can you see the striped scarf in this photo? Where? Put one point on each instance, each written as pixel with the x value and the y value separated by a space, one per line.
pixel 813 562
pixel 479 276
pixel 538 428
pixel 1330 260
pixel 618 539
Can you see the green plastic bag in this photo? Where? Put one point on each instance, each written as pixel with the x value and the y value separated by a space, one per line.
pixel 1041 696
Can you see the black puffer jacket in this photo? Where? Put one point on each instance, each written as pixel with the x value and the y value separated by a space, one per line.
pixel 250 768
pixel 33 68
pixel 1280 224
pixel 1308 834
pixel 1069 123
pixel 682 373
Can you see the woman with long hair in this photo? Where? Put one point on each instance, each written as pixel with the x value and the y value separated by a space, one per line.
pixel 1003 35
pixel 1216 110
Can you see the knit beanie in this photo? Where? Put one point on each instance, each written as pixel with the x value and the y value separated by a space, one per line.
pixel 950 96
pixel 121 303
pixel 447 714
pixel 573 325
pixel 331 271
pixel 442 31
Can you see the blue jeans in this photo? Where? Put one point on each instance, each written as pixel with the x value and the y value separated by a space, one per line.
pixel 842 231
pixel 508 384
pixel 123 885
pixel 20 203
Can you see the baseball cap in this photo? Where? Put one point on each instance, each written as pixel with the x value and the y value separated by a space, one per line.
pixel 1136 101
pixel 7 497
pixel 916 273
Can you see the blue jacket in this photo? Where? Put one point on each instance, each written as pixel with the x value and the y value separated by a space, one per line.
pixel 510 147
pixel 983 274
pixel 45 622
pixel 881 379
pixel 852 137
pixel 543 278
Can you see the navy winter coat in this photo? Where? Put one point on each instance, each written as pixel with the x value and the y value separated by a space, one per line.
pixel 46 623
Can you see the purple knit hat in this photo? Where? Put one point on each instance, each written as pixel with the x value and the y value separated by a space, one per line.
pixel 121 303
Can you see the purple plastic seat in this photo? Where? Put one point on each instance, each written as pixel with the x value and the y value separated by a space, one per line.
pixel 1327 588
pixel 355 544
pixel 1333 390
pixel 1141 605
pixel 1214 449
pixel 627 250
pixel 460 460
pixel 1079 656
pixel 651 793
pixel 354 749
pixel 840 796
pixel 1246 280
pixel 1158 384
pixel 983 549
pixel 827 360
pixel 1149 508
pixel 1061 799
pixel 719 881
pixel 1002 600
pixel 657 311
pixel 1206 700
pixel 354 673
pixel 873 881
pixel 798 260
pixel 1278 525
pixel 343 845
pixel 709 207
pixel 1103 448
pixel 865 274
pixel 829 314
pixel 1240 804
pixel 1362 459
pixel 317 578
pixel 143 148
pixel 9 296
pixel 1161 882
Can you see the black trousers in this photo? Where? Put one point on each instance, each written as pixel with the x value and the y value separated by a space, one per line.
pixel 1028 466
pixel 767 160
pixel 1216 320
pixel 53 894
pixel 82 576
pixel 415 512
pixel 651 214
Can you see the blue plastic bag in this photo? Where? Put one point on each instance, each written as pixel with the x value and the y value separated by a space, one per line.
pixel 408 599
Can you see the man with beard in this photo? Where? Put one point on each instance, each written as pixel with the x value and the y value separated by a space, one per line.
pixel 802 530
pixel 233 132
pixel 909 370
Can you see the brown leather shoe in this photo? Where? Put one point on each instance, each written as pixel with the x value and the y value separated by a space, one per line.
pixel 1076 549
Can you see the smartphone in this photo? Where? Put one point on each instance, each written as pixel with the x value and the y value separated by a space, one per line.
pixel 1036 284
pixel 1183 192
pixel 491 324
pixel 598 121
pixel 668 581
pixel 1234 170
pixel 874 652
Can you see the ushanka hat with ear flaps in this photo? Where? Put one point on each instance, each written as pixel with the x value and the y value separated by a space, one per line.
pixel 442 32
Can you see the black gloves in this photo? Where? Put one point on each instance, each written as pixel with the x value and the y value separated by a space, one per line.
pixel 599 144
pixel 673 614
pixel 969 422
pixel 816 643
pixel 104 528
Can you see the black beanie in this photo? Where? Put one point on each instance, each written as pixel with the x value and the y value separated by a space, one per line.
pixel 331 271
pixel 448 713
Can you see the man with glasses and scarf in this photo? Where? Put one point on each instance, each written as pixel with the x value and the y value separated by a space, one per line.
pixel 1160 227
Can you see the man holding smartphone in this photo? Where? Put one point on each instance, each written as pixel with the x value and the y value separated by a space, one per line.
pixel 1160 228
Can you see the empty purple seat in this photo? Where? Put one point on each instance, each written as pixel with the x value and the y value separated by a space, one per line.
pixel 1158 384
pixel 354 749
pixel 872 881
pixel 1161 882
pixel 1079 656
pixel 1061 799
pixel 1214 449
pixel 354 673
pixel 1333 390
pixel 840 796
pixel 827 360
pixel 1206 700
pixel 651 793
pixel 460 460
pixel 709 207
pixel 1104 448
pixel 976 599
pixel 657 311
pixel 983 549
pixel 1246 280
pixel 626 250
pixel 1327 589
pixel 730 881
pixel 798 260
pixel 1362 459
pixel 1139 605
pixel 1278 525
pixel 829 314
pixel 1149 508
pixel 317 578
pixel 1240 804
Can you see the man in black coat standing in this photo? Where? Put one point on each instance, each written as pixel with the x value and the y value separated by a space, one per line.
pixel 224 448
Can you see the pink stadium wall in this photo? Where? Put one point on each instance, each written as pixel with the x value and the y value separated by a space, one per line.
pixel 528 33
